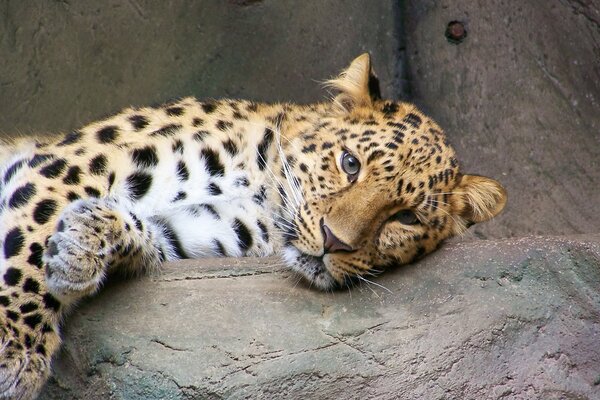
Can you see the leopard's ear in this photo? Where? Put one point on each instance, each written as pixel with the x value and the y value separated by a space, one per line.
pixel 357 84
pixel 478 198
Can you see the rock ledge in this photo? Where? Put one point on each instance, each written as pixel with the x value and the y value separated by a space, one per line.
pixel 516 318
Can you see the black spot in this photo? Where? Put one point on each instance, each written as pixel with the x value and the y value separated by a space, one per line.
pixel 263 231
pixel 223 125
pixel 22 195
pixel 213 162
pixel 177 146
pixel 136 220
pixel 211 210
pixel 172 238
pixel 167 130
pixel 208 107
pixel 35 258
pixel 196 122
pixel 398 137
pixel 200 135
pixel 412 119
pixel 310 148
pixel 139 122
pixel 374 156
pixel 4 301
pixel 92 192
pixel 243 234
pixel 13 243
pixel 98 164
pixel 39 158
pixel 260 196
pixel 73 176
pixel 326 145
pixel 72 196
pixel 230 147
pixel 174 111
pixel 180 196
pixel 397 125
pixel 12 315
pixel 400 186
pixel 214 189
pixel 12 170
pixel 145 157
pixel 12 276
pixel 54 169
pixel 44 210
pixel 31 285
pixel 243 181
pixel 263 148
pixel 182 171
pixel 389 109
pixel 28 341
pixel 139 183
pixel 111 180
pixel 303 168
pixel 107 134
pixel 70 138
pixel 219 249
pixel 33 320
pixel 50 302
pixel 432 180
pixel 40 349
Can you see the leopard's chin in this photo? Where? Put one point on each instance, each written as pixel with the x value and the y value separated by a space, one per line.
pixel 311 268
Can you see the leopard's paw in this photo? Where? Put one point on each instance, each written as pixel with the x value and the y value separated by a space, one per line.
pixel 22 371
pixel 88 233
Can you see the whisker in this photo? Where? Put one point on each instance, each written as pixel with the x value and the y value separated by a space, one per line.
pixel 362 278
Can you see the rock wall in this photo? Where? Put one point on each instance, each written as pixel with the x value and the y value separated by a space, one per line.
pixel 519 98
pixel 65 63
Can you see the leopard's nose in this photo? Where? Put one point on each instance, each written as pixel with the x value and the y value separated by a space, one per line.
pixel 331 243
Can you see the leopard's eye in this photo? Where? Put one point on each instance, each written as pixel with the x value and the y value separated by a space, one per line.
pixel 350 165
pixel 406 217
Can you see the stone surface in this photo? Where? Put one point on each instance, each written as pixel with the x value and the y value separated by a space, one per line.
pixel 517 318
pixel 520 100
pixel 66 63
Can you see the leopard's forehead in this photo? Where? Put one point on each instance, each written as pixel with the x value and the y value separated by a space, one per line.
pixel 399 147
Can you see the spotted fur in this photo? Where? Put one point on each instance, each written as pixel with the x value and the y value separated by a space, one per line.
pixel 195 178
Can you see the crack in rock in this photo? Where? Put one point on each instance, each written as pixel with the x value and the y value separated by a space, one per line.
pixel 168 346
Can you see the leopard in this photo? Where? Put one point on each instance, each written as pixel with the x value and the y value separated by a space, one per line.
pixel 341 190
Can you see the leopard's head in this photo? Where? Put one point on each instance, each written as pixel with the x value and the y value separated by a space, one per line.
pixel 377 184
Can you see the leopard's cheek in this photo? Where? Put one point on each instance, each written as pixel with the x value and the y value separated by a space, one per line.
pixel 307 236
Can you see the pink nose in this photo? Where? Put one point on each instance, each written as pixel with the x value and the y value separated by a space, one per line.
pixel 331 243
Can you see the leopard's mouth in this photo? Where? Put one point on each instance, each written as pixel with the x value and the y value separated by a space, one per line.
pixel 312 268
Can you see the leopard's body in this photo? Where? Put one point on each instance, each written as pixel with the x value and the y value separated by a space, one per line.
pixel 340 189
